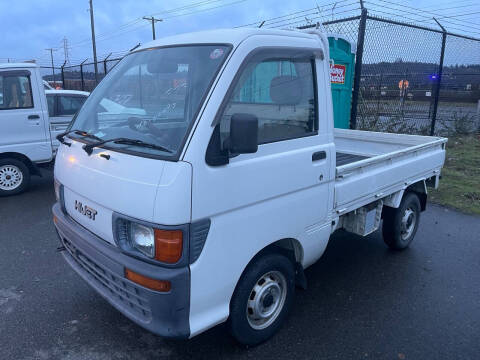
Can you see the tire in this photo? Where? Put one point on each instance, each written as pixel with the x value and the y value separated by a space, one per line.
pixel 400 225
pixel 14 177
pixel 262 299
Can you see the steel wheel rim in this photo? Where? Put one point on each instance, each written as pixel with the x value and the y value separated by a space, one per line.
pixel 266 300
pixel 409 220
pixel 11 177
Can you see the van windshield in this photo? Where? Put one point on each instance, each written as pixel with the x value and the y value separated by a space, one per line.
pixel 151 96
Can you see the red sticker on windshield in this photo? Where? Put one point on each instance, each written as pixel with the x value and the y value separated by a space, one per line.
pixel 215 54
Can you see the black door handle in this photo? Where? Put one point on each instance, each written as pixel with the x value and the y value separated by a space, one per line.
pixel 319 155
pixel 33 117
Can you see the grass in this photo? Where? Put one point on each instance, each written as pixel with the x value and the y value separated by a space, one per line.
pixel 460 184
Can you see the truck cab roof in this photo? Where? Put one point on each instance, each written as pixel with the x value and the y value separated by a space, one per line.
pixel 18 65
pixel 223 36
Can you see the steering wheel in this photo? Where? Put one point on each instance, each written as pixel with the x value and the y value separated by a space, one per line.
pixel 137 124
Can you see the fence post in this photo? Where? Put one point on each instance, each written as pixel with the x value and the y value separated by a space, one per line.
pixel 439 79
pixel 105 64
pixel 81 75
pixel 478 115
pixel 358 68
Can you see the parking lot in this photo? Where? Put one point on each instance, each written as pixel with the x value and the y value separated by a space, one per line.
pixel 363 300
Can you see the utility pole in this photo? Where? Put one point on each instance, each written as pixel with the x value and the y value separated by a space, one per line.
pixel 53 68
pixel 153 20
pixel 92 24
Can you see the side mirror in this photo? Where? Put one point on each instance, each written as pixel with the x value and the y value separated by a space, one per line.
pixel 243 134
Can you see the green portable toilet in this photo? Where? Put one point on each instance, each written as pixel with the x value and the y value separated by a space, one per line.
pixel 342 64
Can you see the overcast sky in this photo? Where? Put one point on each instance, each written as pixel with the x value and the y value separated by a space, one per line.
pixel 30 27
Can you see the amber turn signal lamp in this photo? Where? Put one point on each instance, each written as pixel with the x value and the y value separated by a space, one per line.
pixel 168 245
pixel 158 285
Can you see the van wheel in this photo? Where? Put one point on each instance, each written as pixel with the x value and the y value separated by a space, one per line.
pixel 262 299
pixel 14 177
pixel 400 225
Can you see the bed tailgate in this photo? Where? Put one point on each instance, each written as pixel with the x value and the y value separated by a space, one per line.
pixel 364 181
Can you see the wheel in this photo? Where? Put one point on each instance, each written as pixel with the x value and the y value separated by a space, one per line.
pixel 262 299
pixel 400 225
pixel 14 177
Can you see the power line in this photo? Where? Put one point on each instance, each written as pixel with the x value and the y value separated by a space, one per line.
pixel 430 13
pixel 460 15
pixel 101 35
pixel 111 36
pixel 300 14
pixel 448 1
pixel 426 19
pixel 133 25
pixel 412 22
pixel 278 17
pixel 429 18
pixel 286 19
pixel 409 20
pixel 317 13
pixel 203 10
pixel 187 7
pixel 314 18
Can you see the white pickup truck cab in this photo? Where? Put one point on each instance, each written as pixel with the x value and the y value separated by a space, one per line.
pixel 31 116
pixel 25 139
pixel 219 178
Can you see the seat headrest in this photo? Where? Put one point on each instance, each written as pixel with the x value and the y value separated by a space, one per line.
pixel 286 90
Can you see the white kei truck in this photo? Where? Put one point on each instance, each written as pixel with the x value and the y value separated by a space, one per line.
pixel 27 134
pixel 219 178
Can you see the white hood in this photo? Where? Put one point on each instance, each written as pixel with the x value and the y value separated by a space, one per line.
pixel 151 190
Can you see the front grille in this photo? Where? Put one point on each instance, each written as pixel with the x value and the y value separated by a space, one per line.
pixel 127 296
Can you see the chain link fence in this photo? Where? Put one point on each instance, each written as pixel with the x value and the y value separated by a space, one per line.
pixel 412 79
pixel 82 77
pixel 408 78
pixel 459 96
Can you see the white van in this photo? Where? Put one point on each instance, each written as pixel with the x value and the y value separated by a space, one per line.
pixel 219 179
pixel 25 139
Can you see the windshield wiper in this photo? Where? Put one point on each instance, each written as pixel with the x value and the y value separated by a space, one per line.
pixel 126 141
pixel 61 137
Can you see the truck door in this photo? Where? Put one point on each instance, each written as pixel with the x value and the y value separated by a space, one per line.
pixel 292 167
pixel 22 115
pixel 283 191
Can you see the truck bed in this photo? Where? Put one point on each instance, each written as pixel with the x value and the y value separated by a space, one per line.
pixel 345 158
pixel 372 165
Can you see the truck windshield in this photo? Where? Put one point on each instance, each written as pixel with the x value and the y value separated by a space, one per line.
pixel 151 96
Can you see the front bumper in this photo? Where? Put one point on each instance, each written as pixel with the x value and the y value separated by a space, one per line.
pixel 102 266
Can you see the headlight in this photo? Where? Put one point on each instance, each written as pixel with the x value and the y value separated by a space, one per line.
pixel 163 245
pixel 142 238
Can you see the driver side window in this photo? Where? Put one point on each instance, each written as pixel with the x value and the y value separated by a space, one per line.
pixel 279 89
